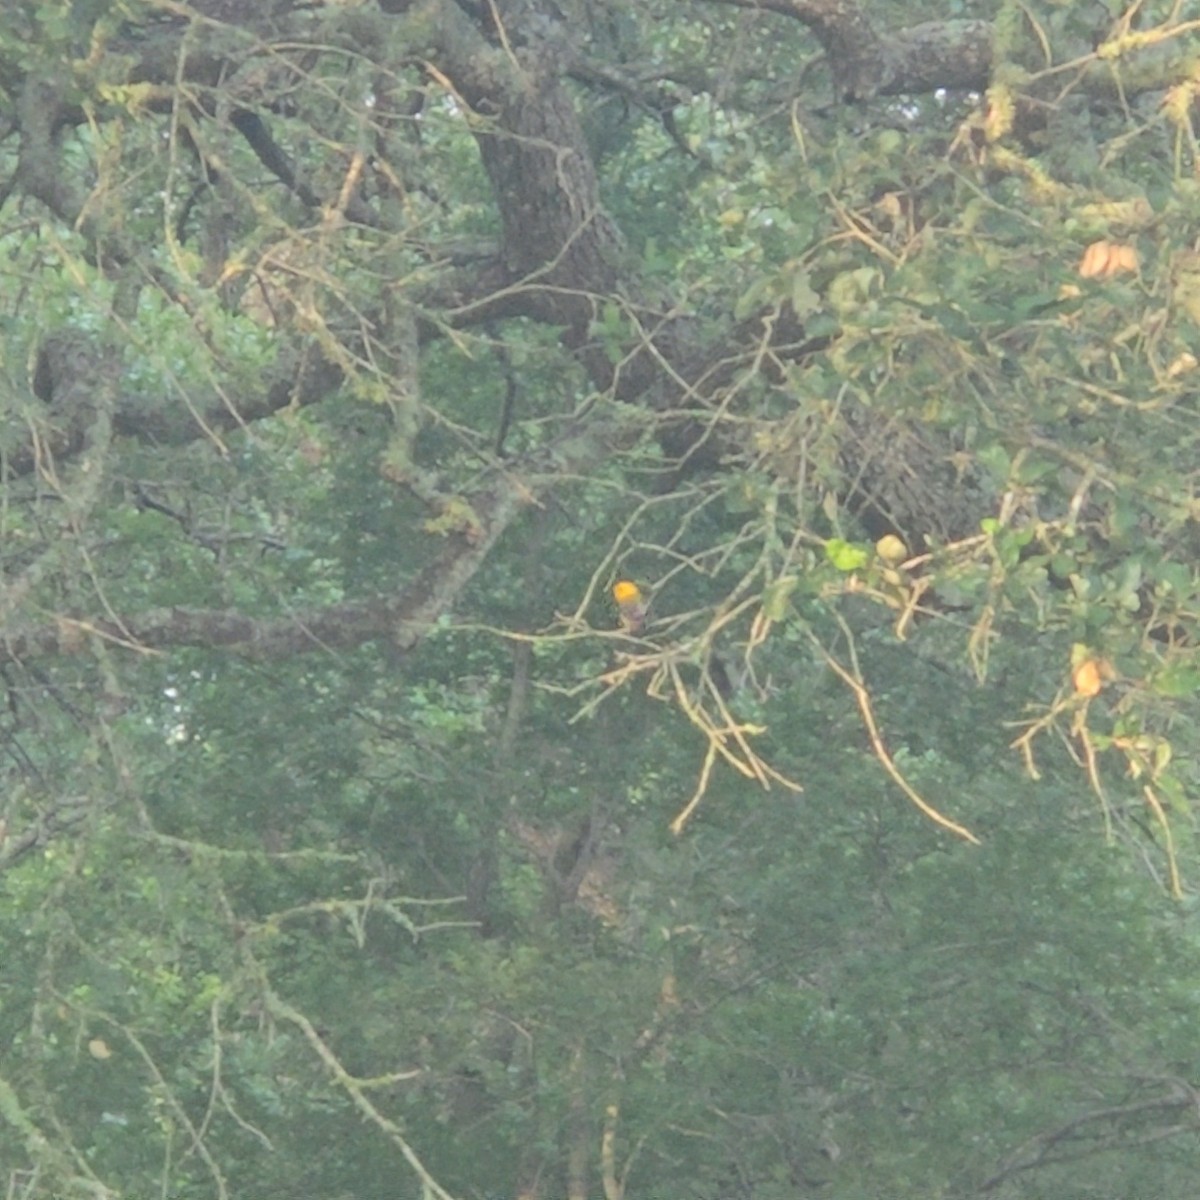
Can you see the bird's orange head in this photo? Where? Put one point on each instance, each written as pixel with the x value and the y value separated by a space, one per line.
pixel 626 592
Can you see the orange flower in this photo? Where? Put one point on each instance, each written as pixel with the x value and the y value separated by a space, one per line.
pixel 1102 260
pixel 1087 678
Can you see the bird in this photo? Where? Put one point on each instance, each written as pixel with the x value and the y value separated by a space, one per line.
pixel 631 605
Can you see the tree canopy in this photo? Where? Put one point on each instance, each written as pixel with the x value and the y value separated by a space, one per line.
pixel 599 599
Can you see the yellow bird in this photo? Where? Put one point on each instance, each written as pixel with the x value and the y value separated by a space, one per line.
pixel 631 605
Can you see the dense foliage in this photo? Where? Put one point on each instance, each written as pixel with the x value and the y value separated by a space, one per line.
pixel 357 839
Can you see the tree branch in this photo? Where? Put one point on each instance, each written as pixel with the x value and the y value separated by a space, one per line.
pixel 1040 1151
pixel 405 616
pixel 866 62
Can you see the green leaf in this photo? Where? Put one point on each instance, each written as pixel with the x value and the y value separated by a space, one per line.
pixel 805 301
pixel 1176 679
pixel 847 556
pixel 997 460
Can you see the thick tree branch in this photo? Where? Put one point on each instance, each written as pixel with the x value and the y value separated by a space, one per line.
pixel 866 62
pixel 559 246
pixel 272 156
pixel 404 617
pixel 71 365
